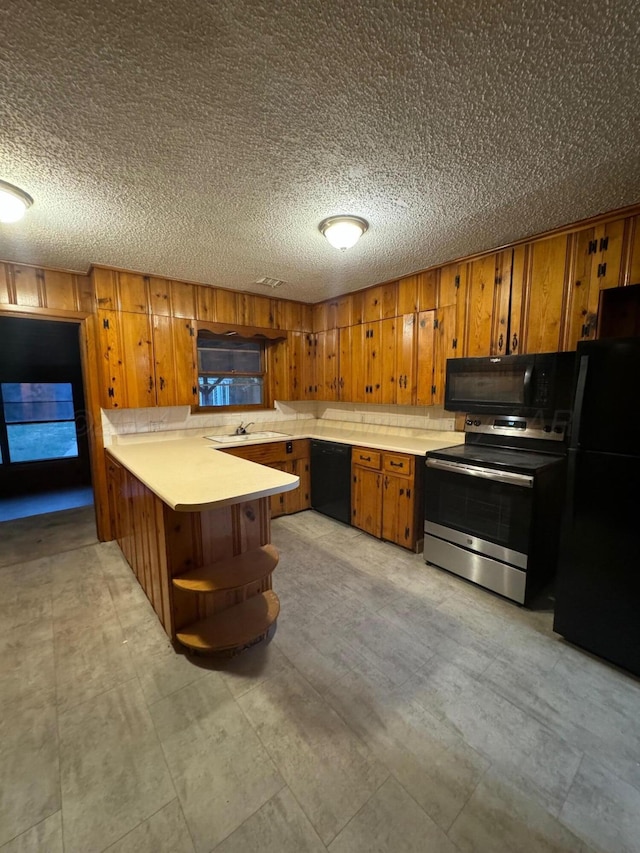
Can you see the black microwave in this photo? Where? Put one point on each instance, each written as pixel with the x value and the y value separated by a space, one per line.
pixel 536 385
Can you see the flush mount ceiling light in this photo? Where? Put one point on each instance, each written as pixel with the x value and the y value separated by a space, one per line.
pixel 343 232
pixel 13 202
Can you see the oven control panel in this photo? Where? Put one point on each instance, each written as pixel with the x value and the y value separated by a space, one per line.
pixel 516 426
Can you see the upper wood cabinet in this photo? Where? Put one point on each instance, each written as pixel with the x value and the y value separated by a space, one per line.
pixel 145 361
pixel 175 362
pixel 406 342
pixel 326 364
pixel 487 309
pixel 32 287
pixel 632 253
pixel 539 287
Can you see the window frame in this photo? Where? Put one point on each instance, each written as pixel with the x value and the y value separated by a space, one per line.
pixel 262 374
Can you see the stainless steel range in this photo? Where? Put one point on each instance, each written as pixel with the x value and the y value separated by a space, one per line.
pixel 493 505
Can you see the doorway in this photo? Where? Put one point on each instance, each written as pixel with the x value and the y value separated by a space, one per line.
pixel 44 450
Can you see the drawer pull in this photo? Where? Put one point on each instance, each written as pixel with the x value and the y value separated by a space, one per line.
pixel 365 458
pixel 396 464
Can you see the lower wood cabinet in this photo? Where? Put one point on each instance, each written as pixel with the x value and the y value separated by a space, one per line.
pixel 386 495
pixel 297 461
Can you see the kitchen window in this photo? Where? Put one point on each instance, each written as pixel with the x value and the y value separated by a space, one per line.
pixel 231 372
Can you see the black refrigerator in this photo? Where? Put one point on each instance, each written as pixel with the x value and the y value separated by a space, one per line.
pixel 598 582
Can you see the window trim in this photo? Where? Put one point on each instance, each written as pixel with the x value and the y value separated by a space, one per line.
pixel 234 333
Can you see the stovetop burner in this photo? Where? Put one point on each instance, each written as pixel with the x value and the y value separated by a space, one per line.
pixel 498 458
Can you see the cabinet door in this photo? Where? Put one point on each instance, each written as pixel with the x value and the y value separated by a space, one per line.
pixel 327 364
pixel 406 339
pixel 358 358
pixel 309 366
pixel 373 362
pixel 398 510
pixel 296 353
pixel 278 503
pixel 125 353
pixel 279 368
pixel 300 497
pixel 595 265
pixel 487 309
pixel 387 355
pixel 345 380
pixel 425 345
pixel 174 353
pixel 545 283
pixel 445 346
pixel 137 356
pixel 366 500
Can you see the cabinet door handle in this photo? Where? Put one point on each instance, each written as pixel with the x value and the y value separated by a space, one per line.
pixel 162 383
pixel 500 342
pixel 151 383
pixel 514 342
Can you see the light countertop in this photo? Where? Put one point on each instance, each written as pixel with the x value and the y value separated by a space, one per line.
pixel 191 475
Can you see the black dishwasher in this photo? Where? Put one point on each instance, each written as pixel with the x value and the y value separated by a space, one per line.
pixel 331 479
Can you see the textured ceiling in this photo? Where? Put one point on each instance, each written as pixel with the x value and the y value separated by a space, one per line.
pixel 206 140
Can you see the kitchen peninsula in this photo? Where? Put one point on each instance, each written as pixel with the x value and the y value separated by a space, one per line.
pixel 193 524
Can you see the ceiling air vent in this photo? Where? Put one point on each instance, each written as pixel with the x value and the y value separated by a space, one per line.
pixel 269 282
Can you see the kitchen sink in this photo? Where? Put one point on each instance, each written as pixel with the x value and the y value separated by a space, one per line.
pixel 229 439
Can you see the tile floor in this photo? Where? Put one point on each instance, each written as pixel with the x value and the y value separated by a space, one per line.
pixel 396 709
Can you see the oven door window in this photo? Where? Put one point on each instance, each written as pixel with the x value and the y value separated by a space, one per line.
pixel 491 511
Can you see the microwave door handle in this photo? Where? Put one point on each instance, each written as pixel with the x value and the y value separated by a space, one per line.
pixel 528 375
pixel 576 420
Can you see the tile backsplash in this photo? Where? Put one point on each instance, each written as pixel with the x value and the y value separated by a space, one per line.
pixel 179 420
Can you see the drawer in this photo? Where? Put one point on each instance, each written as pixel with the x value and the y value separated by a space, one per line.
pixel 365 457
pixel 273 451
pixel 398 463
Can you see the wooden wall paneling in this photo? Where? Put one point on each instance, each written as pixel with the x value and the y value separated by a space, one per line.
pixel 28 284
pixel 388 368
pixel 226 306
pixel 307 318
pixel 358 307
pixel 291 315
pixel 425 357
pixel 161 565
pixel 133 293
pixel 60 290
pixel 406 341
pixel 264 313
pixel 245 309
pixel 183 300
pixel 545 294
pixel 408 298
pixel 183 538
pixel 320 314
pixel 251 524
pixel 205 303
pixel 105 286
pixel 389 300
pixel 428 289
pixel 372 303
pixel 343 311
pixel 137 355
pixel 631 272
pixel 86 294
pixel 159 296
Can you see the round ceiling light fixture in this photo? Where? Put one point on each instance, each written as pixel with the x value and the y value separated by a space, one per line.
pixel 13 202
pixel 343 232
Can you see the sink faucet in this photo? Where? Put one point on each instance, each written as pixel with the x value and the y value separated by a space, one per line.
pixel 242 429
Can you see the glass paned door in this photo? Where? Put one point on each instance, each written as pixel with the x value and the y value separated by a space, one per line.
pixel 39 419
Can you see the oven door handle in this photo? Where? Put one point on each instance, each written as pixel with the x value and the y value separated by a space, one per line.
pixel 508 477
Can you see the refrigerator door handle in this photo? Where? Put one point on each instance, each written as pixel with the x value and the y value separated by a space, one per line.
pixel 577 408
